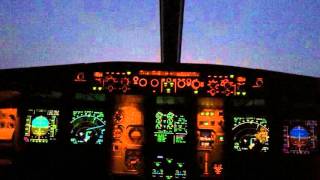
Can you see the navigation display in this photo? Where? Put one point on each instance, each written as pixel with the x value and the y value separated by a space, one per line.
pixel 88 127
pixel 250 134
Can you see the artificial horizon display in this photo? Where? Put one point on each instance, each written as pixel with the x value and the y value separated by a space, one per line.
pixel 300 136
pixel 41 125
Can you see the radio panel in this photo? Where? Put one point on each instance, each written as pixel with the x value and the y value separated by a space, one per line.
pixel 210 136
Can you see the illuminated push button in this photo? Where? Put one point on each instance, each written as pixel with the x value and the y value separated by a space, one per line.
pixel 189 81
pixel 181 83
pixel 135 79
pixel 195 84
pixel 98 74
pixel 110 88
pixel 125 81
pixel 143 82
pixel 154 83
pixel 221 139
pixel 135 135
pixel 124 89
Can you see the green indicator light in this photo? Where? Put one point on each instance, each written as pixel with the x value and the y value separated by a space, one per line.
pixel 207 113
pixel 168 90
pixel 161 137
pixel 238 93
pixel 171 84
pixel 206 123
pixel 236 146
pixel 221 138
pixel 128 72
pixel 169 177
pixel 180 165
pixel 169 160
pixel 94 88
pixel 244 93
pixel 99 88
pixel 179 140
pixel 195 92
pixel 231 76
pixel 157 163
pixel 211 113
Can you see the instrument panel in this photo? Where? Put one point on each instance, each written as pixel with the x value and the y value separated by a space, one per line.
pixel 128 135
pixel 210 137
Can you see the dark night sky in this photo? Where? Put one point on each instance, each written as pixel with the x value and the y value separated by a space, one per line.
pixel 275 35
pixel 278 35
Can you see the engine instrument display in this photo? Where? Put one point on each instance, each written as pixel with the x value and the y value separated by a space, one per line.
pixel 167 167
pixel 300 136
pixel 88 127
pixel 8 120
pixel 41 125
pixel 250 134
pixel 170 128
